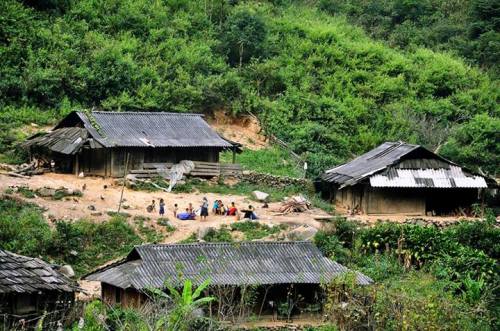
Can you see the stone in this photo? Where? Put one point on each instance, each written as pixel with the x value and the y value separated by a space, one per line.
pixel 46 192
pixel 67 271
pixel 303 232
pixel 98 213
pixel 91 207
pixel 203 231
pixel 260 196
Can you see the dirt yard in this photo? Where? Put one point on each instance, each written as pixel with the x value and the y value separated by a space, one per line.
pixel 107 199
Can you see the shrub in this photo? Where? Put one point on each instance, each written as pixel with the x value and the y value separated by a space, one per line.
pixel 221 235
pixel 256 230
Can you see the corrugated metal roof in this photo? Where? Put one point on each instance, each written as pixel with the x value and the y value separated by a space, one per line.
pixel 373 161
pixel 439 178
pixel 151 129
pixel 22 274
pixel 251 263
pixel 397 164
pixel 62 140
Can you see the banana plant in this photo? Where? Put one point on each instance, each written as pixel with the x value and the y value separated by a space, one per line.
pixel 184 305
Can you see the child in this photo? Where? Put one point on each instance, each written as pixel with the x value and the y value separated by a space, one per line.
pixel 152 207
pixel 204 209
pixel 232 210
pixel 176 208
pixel 162 207
pixel 215 208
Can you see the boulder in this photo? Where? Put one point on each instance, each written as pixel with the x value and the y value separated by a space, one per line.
pixel 67 271
pixel 46 192
pixel 260 196
pixel 203 231
pixel 303 232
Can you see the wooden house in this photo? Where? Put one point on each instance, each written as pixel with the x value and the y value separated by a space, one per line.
pixel 400 178
pixel 105 143
pixel 29 288
pixel 271 267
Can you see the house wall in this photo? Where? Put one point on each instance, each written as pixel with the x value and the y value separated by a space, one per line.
pixel 351 197
pixel 125 297
pixel 15 306
pixel 112 161
pixel 394 201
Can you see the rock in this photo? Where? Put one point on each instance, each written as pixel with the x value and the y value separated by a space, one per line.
pixel 203 231
pixel 303 232
pixel 91 207
pixel 96 214
pixel 260 196
pixel 125 206
pixel 67 271
pixel 46 192
pixel 81 175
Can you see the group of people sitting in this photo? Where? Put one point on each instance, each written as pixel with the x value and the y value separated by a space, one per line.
pixel 218 208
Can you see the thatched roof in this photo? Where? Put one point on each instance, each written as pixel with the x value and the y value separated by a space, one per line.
pixel 22 274
pixel 246 263
pixel 398 164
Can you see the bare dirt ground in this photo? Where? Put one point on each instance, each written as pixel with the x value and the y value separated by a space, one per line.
pixel 107 199
pixel 245 130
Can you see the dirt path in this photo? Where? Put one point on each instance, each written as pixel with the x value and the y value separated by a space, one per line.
pixel 104 196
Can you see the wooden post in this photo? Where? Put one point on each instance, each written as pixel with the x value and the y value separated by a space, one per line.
pixel 127 159
pixel 76 166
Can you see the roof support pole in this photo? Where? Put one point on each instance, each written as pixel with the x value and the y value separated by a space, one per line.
pixel 76 166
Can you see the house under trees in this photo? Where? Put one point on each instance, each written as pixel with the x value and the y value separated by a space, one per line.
pixel 276 272
pixel 106 143
pixel 400 178
pixel 30 288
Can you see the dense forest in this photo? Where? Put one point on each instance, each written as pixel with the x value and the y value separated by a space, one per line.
pixel 423 71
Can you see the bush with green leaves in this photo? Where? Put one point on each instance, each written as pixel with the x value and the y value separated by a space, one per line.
pixel 81 243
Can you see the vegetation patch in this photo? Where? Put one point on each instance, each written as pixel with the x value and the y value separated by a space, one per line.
pixel 118 214
pixel 273 161
pixel 82 244
pixel 256 230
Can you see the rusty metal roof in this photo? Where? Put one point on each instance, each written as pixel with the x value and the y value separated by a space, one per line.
pixel 398 164
pixel 250 263
pixel 151 129
pixel 22 274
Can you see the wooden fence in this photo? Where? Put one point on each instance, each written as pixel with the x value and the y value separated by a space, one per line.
pixel 201 169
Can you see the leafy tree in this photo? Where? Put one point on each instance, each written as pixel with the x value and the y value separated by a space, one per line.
pixel 243 37
pixel 476 143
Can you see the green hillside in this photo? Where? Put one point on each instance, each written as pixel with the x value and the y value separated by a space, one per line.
pixel 314 80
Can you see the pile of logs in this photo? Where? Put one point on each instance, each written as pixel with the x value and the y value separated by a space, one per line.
pixel 23 171
pixel 295 204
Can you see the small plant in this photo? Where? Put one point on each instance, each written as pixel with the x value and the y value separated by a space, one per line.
pixel 165 222
pixel 221 235
pixel 141 218
pixel 118 214
pixel 26 192
pixel 191 239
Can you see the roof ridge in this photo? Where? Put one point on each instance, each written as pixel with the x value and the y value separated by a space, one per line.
pixel 247 243
pixel 146 113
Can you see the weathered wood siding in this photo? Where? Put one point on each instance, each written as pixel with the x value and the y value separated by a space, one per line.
pixel 111 162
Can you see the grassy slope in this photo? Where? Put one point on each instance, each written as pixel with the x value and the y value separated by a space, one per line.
pixel 320 84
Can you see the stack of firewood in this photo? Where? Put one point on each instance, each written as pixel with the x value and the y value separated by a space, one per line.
pixel 23 170
pixel 295 204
